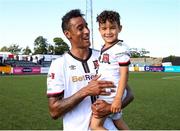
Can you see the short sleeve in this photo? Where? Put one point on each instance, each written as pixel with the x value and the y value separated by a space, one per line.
pixel 123 55
pixel 55 84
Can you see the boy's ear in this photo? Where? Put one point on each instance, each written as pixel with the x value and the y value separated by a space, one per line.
pixel 120 28
pixel 99 29
pixel 67 34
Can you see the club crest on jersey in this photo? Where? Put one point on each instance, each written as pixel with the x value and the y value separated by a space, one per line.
pixel 96 64
pixel 72 67
pixel 105 58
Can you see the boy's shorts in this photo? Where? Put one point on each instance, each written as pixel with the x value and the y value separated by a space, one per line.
pixel 115 116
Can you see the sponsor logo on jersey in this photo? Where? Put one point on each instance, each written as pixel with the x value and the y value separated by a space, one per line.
pixel 72 67
pixel 87 77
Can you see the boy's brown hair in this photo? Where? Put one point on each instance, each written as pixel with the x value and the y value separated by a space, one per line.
pixel 111 16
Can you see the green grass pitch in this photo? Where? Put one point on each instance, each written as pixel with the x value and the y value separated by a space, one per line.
pixel 23 102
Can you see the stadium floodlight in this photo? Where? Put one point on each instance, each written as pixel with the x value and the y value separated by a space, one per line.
pixel 89 17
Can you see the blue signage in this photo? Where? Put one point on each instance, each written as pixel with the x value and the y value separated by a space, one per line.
pixel 172 69
pixel 154 68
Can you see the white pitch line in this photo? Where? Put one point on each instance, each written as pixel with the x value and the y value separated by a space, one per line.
pixel 170 77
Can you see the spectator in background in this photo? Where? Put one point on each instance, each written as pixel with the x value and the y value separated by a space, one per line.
pixel 43 58
pixel 31 58
pixel 36 58
pixel 1 59
pixel 17 57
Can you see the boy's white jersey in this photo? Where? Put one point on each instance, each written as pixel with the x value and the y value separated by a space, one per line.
pixel 67 75
pixel 110 60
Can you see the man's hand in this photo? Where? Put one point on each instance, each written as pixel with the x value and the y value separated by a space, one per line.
pixel 129 97
pixel 100 109
pixel 98 87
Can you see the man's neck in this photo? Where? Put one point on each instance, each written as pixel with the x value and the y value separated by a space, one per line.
pixel 80 53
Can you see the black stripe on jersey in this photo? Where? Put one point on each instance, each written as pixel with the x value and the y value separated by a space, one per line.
pixel 85 67
pixel 55 94
pixel 125 63
pixel 86 70
pixel 93 99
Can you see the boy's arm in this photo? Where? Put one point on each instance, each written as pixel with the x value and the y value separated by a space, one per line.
pixel 101 108
pixel 117 102
pixel 122 82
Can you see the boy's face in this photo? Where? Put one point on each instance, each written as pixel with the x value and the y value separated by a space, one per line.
pixel 109 31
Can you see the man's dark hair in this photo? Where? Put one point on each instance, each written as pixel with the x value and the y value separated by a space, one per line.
pixel 111 16
pixel 69 15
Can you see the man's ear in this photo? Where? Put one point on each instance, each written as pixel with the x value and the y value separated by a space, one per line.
pixel 67 34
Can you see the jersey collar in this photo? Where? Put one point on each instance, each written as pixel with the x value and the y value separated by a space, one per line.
pixel 81 60
pixel 103 50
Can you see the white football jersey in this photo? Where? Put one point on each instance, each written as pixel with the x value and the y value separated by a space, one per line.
pixel 110 61
pixel 68 74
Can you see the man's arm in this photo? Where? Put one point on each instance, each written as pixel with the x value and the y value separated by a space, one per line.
pixel 101 108
pixel 58 105
pixel 129 98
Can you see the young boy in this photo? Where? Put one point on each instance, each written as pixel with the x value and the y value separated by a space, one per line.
pixel 113 65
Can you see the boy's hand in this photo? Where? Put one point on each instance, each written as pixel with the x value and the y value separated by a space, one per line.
pixel 116 106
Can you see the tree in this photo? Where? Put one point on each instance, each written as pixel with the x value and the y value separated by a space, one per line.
pixel 50 49
pixel 14 49
pixel 136 53
pixel 4 49
pixel 143 52
pixel 26 51
pixel 40 45
pixel 170 58
pixel 60 46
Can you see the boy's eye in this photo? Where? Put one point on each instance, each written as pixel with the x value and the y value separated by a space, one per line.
pixel 113 27
pixel 103 28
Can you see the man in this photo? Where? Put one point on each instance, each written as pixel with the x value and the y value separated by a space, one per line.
pixel 72 81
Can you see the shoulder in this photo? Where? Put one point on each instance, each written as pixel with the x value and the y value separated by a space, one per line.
pixel 59 61
pixel 95 52
pixel 122 45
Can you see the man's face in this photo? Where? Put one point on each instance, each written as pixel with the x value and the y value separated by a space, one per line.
pixel 109 31
pixel 78 33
